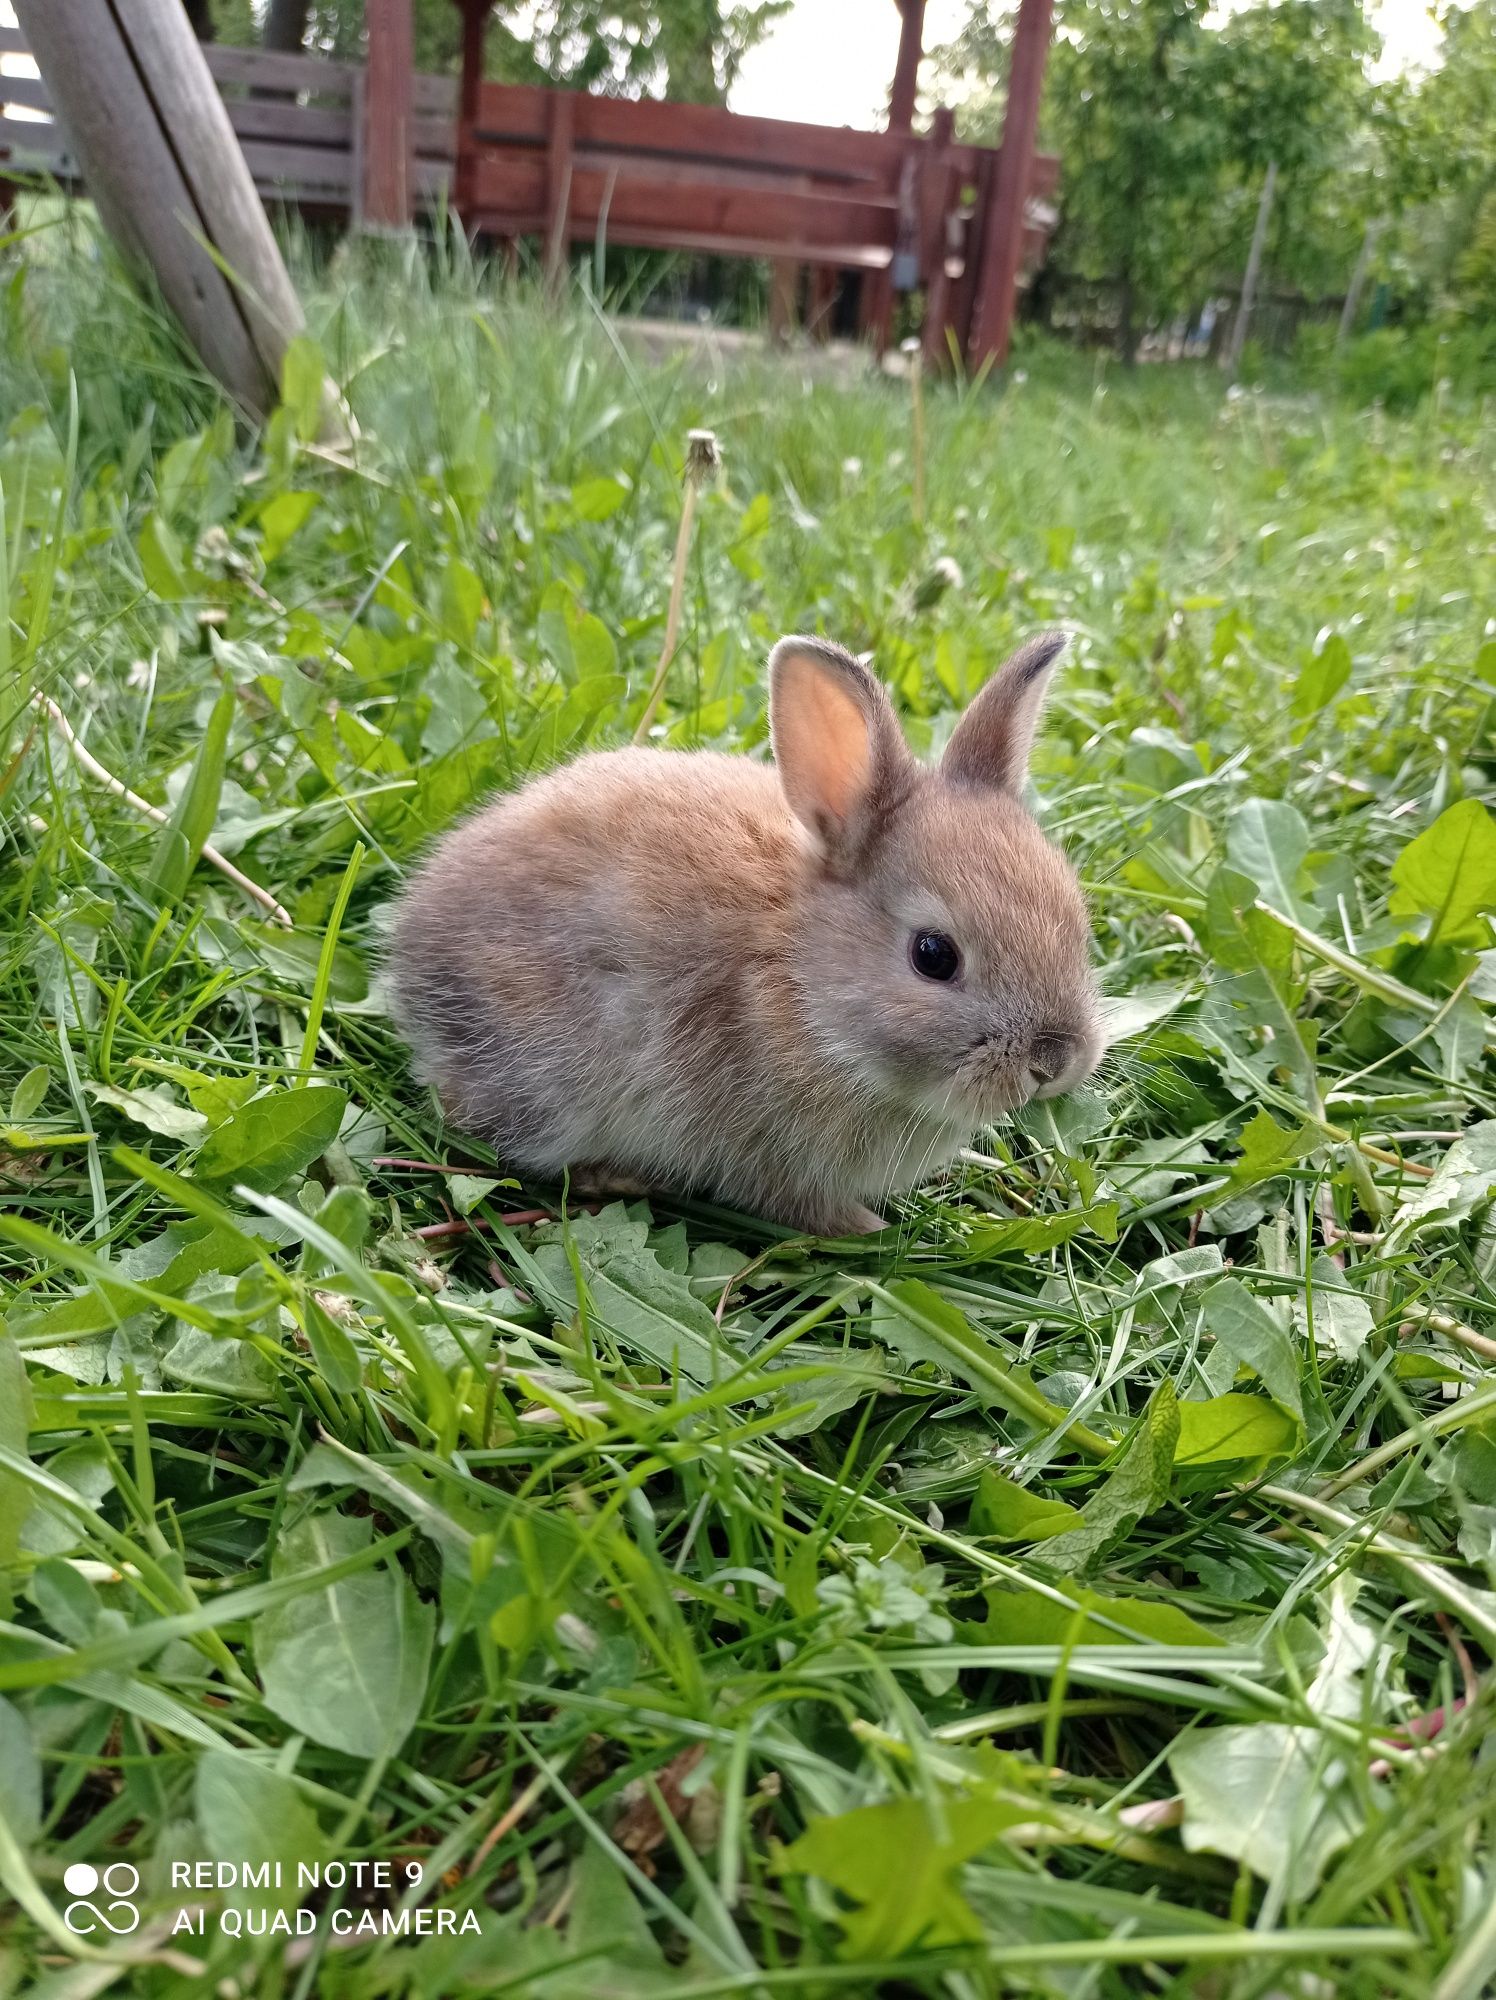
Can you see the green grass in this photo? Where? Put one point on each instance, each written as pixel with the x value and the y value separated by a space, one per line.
pixel 1061 1595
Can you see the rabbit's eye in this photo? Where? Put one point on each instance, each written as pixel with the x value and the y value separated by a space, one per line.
pixel 933 955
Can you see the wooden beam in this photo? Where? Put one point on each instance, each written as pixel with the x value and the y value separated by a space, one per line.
pixel 822 306
pixel 169 179
pixel 474 38
pixel 1001 251
pixel 935 200
pixel 385 195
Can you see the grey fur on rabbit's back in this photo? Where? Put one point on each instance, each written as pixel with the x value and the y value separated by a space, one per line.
pixel 795 989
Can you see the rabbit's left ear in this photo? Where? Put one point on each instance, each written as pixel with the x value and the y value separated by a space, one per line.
pixel 837 745
pixel 990 745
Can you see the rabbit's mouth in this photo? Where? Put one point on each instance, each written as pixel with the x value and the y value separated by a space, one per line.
pixel 982 1090
pixel 999 1075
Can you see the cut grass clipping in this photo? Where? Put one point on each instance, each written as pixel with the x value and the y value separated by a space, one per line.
pixel 1086 1588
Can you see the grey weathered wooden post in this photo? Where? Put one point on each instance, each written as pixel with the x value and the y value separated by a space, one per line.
pixel 165 171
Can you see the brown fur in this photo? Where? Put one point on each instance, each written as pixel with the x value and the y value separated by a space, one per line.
pixel 646 963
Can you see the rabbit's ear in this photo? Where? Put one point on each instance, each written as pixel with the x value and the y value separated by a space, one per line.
pixel 990 744
pixel 837 746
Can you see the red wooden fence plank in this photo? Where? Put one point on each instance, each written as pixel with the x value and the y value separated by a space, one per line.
pixel 267 69
pixel 1002 243
pixel 388 110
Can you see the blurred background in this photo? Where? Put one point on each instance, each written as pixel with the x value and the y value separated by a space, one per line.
pixel 1375 118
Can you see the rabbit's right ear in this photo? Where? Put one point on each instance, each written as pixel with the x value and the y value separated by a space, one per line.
pixel 837 746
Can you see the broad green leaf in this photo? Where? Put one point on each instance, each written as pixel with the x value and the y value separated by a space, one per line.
pixel 193 469
pixel 346 1664
pixel 403 1489
pixel 459 710
pixel 214 1096
pixel 1125 1015
pixel 181 839
pixel 282 520
pixel 346 1215
pixel 168 573
pixel 598 499
pixel 1012 1513
pixel 271 1138
pixel 1449 875
pixel 465 1191
pixel 20 1776
pixel 51 1527
pixel 15 1429
pixel 154 1109
pixel 1268 842
pixel 226 1367
pixel 1460 1038
pixel 608 1937
pixel 1255 1339
pixel 920 1325
pixel 899 1864
pixel 1268 1149
pixel 1322 677
pixel 29 1093
pixel 1181 1267
pixel 578 644
pixel 1342 1320
pixel 303 376
pixel 1135 1488
pixel 462 601
pixel 169 1262
pixel 650 1310
pixel 1233 1427
pixel 1464 1181
pixel 1025 1618
pixel 332 1349
pixel 65 1600
pixel 1272 1795
pixel 1028 1234
pixel 254 1817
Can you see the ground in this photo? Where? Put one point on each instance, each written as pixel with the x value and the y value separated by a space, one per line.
pixel 1084 1589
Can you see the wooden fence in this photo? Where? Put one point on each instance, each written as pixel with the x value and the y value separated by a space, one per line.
pixel 301 120
pixel 338 141
pixel 566 167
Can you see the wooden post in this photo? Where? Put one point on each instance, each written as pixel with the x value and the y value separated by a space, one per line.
pixel 876 304
pixel 474 35
pixel 784 294
pixel 384 195
pixel 822 304
pixel 934 209
pixel 558 163
pixel 1238 340
pixel 1001 251
pixel 166 174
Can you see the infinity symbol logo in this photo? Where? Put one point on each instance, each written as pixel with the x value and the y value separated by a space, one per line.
pixel 118 1881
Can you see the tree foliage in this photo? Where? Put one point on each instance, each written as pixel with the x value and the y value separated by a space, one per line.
pixel 1166 113
pixel 1166 124
pixel 688 49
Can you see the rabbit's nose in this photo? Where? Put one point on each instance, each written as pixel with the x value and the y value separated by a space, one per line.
pixel 1055 1061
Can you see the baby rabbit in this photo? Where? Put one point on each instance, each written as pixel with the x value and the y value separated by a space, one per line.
pixel 794 989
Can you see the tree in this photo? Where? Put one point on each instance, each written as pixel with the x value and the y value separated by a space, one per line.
pixel 1440 136
pixel 1166 116
pixel 633 48
pixel 286 23
pixel 1141 148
